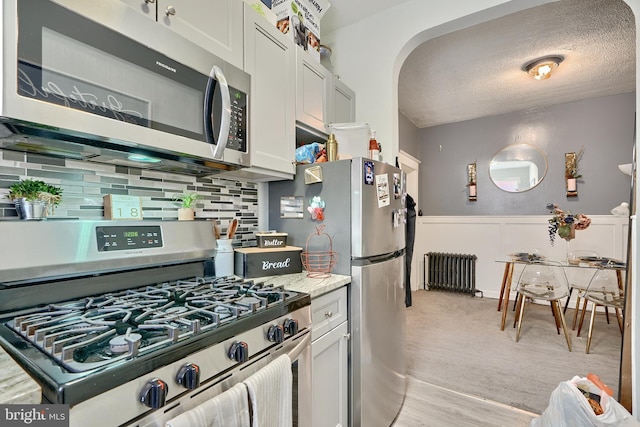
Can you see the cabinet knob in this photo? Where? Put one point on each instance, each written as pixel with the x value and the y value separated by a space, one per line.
pixel 154 393
pixel 189 376
pixel 170 11
pixel 328 313
pixel 347 336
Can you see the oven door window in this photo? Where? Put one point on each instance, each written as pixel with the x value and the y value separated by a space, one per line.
pixel 68 60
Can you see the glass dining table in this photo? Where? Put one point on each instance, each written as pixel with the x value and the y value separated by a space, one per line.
pixel 593 263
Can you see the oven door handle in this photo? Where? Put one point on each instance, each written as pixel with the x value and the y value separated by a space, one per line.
pixel 304 343
pixel 216 74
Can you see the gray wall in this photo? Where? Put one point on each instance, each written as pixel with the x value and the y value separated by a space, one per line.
pixel 409 136
pixel 603 126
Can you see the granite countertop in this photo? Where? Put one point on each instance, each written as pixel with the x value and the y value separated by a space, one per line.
pixel 301 283
pixel 16 386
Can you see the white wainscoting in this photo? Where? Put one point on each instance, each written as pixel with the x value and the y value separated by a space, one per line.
pixel 492 238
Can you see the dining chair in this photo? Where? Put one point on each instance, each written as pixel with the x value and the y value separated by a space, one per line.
pixel 546 282
pixel 578 280
pixel 604 290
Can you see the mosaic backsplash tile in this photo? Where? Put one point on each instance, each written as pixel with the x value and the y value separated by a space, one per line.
pixel 84 185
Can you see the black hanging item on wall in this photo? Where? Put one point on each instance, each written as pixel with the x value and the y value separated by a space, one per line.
pixel 410 236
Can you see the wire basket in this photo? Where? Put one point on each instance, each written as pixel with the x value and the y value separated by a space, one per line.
pixel 318 264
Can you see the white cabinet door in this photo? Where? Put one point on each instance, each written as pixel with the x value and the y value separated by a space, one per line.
pixel 328 311
pixel 270 59
pixel 313 82
pixel 147 8
pixel 216 25
pixel 343 102
pixel 329 382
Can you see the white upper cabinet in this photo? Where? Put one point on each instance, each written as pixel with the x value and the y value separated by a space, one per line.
pixel 269 57
pixel 313 83
pixel 321 98
pixel 215 25
pixel 342 108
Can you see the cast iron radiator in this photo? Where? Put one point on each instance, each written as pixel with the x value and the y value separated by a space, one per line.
pixel 451 272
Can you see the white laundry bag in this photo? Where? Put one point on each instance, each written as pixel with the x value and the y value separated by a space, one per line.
pixel 568 407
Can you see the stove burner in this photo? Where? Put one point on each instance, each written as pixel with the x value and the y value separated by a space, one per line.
pixel 103 329
pixel 122 343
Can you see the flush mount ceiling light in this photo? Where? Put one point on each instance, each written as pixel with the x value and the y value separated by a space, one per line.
pixel 540 69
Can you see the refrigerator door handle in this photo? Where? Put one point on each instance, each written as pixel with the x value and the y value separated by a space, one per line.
pixel 361 262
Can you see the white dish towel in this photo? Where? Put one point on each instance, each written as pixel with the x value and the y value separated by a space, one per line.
pixel 270 394
pixel 228 409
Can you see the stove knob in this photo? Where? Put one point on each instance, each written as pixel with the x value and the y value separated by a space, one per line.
pixel 291 326
pixel 239 351
pixel 154 393
pixel 189 376
pixel 275 334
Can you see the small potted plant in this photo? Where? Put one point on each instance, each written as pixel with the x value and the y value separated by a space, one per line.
pixel 34 199
pixel 185 211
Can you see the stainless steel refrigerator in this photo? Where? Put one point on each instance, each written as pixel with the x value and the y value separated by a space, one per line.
pixel 364 214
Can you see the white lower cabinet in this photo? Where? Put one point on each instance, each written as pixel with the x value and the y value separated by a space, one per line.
pixel 330 335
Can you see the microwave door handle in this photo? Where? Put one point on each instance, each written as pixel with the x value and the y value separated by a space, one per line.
pixel 217 75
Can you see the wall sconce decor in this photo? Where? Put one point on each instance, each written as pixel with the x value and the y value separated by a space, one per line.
pixel 540 69
pixel 471 182
pixel 571 174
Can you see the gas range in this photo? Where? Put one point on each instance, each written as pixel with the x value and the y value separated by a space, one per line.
pixel 101 330
pixel 139 327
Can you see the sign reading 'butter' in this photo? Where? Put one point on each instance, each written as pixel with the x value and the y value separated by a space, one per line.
pixel 271 240
pixel 259 262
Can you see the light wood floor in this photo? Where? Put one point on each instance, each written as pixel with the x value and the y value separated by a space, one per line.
pixel 429 405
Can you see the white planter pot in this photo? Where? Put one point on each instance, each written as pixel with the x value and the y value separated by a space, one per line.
pixel 186 214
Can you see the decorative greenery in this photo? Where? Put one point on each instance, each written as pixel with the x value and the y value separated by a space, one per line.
pixel 574 171
pixel 36 190
pixel 187 199
pixel 561 223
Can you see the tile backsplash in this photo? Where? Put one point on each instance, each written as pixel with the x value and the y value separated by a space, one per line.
pixel 84 185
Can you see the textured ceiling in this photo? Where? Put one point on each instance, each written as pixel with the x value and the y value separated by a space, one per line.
pixel 477 72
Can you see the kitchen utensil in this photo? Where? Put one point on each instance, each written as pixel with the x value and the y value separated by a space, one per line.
pixel 216 229
pixel 232 229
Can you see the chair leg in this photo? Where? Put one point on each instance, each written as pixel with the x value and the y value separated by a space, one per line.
pixel 591 322
pixel 619 317
pixel 556 318
pixel 566 304
pixel 515 317
pixel 520 314
pixel 575 314
pixel 563 322
pixel 606 312
pixel 504 285
pixel 584 310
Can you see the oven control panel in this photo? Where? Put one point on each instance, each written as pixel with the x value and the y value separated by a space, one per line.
pixel 120 238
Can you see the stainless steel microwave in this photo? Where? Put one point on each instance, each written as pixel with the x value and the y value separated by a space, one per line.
pixel 98 81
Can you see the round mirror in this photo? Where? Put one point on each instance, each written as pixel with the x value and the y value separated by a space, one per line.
pixel 518 168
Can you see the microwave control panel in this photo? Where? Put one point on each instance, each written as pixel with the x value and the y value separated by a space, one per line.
pixel 238 124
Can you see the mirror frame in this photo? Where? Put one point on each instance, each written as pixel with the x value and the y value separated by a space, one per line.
pixel 521 145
